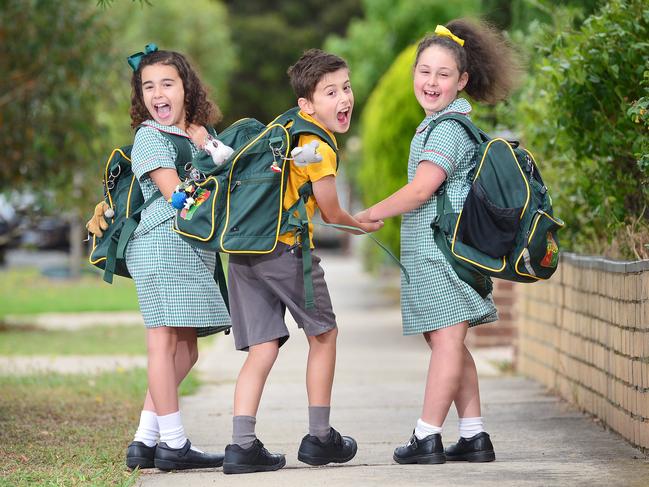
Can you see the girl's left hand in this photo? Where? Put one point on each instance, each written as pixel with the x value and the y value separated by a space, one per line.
pixel 362 217
pixel 198 135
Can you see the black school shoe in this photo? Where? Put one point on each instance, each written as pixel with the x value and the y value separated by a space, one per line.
pixel 138 455
pixel 478 448
pixel 427 450
pixel 335 449
pixel 167 458
pixel 255 458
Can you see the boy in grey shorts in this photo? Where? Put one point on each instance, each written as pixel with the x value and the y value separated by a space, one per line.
pixel 262 287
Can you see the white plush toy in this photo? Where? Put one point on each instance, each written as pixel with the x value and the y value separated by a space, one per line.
pixel 218 150
pixel 306 154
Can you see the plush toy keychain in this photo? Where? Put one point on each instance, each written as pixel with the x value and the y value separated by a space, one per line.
pixel 302 155
pixel 218 150
pixel 306 154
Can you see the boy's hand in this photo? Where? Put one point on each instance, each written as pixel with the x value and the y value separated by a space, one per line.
pixel 97 224
pixel 198 135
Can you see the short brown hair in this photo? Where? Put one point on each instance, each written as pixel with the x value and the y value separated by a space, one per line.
pixel 199 109
pixel 309 70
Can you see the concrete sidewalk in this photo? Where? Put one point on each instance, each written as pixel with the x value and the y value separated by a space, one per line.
pixel 378 390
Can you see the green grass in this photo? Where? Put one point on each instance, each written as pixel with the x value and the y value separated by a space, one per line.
pixel 98 340
pixel 26 291
pixel 70 429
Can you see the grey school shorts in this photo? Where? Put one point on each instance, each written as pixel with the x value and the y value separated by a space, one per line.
pixel 263 287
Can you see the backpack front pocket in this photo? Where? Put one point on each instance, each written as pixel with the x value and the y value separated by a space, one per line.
pixel 253 215
pixel 487 227
pixel 540 256
pixel 200 221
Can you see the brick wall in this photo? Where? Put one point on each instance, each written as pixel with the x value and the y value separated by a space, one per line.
pixel 585 334
pixel 502 332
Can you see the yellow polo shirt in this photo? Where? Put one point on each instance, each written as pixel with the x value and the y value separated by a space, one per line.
pixel 311 172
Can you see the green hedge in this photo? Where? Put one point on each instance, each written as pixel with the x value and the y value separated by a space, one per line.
pixel 584 114
pixel 388 124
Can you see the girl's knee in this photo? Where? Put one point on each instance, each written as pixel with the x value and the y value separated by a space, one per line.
pixel 162 340
pixel 193 354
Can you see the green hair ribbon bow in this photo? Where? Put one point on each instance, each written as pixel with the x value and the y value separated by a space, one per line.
pixel 135 59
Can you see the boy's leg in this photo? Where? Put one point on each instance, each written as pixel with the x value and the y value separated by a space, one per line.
pixel 258 327
pixel 250 386
pixel 246 454
pixel 320 367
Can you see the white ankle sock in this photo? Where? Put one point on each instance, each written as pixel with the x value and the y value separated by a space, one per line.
pixel 171 430
pixel 423 429
pixel 148 431
pixel 470 427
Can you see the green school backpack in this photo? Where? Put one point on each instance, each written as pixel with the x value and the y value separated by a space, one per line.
pixel 122 193
pixel 506 228
pixel 239 206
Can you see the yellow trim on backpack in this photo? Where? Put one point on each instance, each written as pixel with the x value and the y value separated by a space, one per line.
pixel 477 264
pixel 281 192
pixel 541 213
pixel 110 201
pixel 527 185
pixel 527 202
pixel 216 195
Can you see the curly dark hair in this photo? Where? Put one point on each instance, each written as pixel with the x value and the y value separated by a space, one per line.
pixel 199 109
pixel 494 68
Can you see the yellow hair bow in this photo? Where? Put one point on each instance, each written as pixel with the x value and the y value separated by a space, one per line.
pixel 440 30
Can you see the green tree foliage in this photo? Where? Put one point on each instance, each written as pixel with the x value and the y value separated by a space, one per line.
pixel 582 113
pixel 388 123
pixel 200 32
pixel 371 44
pixel 269 37
pixel 52 78
pixel 518 14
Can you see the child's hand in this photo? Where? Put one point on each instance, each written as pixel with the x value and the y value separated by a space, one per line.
pixel 363 216
pixel 198 134
pixel 370 227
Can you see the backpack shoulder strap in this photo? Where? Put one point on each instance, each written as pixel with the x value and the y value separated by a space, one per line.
pixel 183 150
pixel 477 135
pixel 303 126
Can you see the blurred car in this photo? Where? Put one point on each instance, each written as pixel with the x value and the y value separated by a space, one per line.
pixel 47 233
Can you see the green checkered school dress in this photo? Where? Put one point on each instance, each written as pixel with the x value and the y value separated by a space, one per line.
pixel 174 281
pixel 436 297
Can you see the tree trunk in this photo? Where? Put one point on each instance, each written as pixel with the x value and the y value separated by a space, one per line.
pixel 76 246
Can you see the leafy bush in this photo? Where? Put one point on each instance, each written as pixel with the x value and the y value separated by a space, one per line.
pixel 388 124
pixel 584 113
